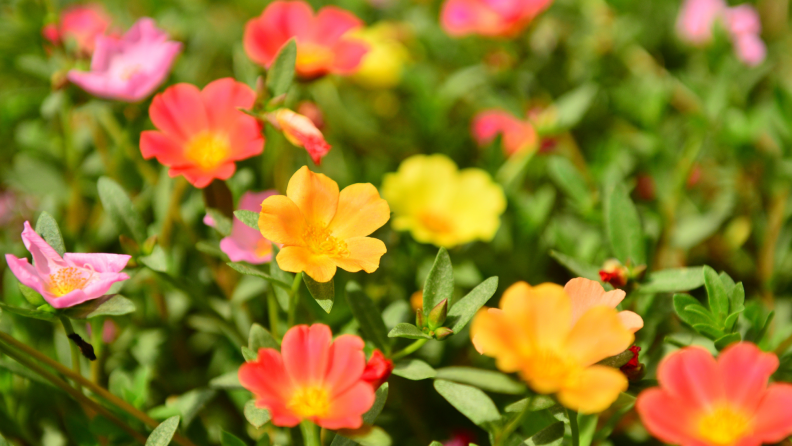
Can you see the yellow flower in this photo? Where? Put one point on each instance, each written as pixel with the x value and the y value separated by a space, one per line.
pixel 383 65
pixel 321 229
pixel 532 333
pixel 441 205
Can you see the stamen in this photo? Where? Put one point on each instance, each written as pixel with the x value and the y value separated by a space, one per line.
pixel 66 280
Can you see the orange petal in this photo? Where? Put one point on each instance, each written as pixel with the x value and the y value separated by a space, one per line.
pixel 493 335
pixel 597 335
pixel 315 194
pixel 631 321
pixel 364 253
pixel 361 211
pixel 594 390
pixel 585 293
pixel 297 259
pixel 542 313
pixel 281 221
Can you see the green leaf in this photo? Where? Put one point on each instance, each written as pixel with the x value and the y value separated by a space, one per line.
pixel 709 331
pixel 537 402
pixel 439 283
pixel 31 295
pixel 249 218
pixel 463 311
pixel 571 106
pixel 259 337
pixel 673 280
pixel 727 340
pixel 365 436
pixel 737 298
pixel 251 271
pixel 249 354
pixel 368 316
pixel 576 267
pixel 618 360
pixel 111 305
pixel 281 72
pixel 717 296
pixel 567 178
pixel 691 311
pixel 256 416
pixel 281 294
pixel 472 402
pixel 323 292
pixel 48 229
pixel 623 226
pixel 119 208
pixel 730 323
pixel 227 381
pixel 227 439
pixel 409 331
pixel 551 435
pixel 414 369
pixel 162 434
pixel 488 380
pixel 35 314
pixel 222 223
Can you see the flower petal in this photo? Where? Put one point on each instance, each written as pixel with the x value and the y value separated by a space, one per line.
pixel 179 112
pixel 295 259
pixel 347 362
pixel 45 258
pixel 597 335
pixel 280 21
pixel 306 354
pixel 594 390
pixel 364 253
pixel 267 379
pixel 347 409
pixel 101 263
pixel 631 321
pixel 332 22
pixel 667 418
pixel 168 150
pixel 281 221
pixel 223 97
pixel 348 54
pixel 773 417
pixel 745 371
pixel 542 313
pixel 315 194
pixel 691 374
pixel 360 212
pixel 585 293
pixel 25 273
pixel 493 335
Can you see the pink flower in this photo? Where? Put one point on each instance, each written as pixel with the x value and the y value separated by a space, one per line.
pixel 313 378
pixel 69 280
pixel 744 25
pixel 245 243
pixel 81 24
pixel 696 19
pixel 702 401
pixel 750 49
pixel 323 41
pixel 301 132
pixel 586 294
pixel 491 18
pixel 131 68
pixel 517 135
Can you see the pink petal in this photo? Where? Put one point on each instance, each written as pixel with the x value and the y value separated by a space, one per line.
pixel 691 374
pixel 347 409
pixel 280 21
pixel 743 19
pixel 102 263
pixel 745 370
pixel 669 419
pixel 251 201
pixel 696 19
pixel 222 98
pixel 306 353
pixel 179 112
pixel 267 379
pixel 25 273
pixel 168 150
pixel 347 363
pixel 332 22
pixel 774 417
pixel 348 55
pixel 95 289
pixel 460 17
pixel 750 49
pixel 45 259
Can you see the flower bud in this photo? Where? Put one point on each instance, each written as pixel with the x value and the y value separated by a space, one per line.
pixel 614 273
pixel 301 132
pixel 420 319
pixel 438 314
pixel 633 369
pixel 442 333
pixel 378 369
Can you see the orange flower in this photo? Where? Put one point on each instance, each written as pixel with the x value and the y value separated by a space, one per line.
pixel 323 41
pixel 702 401
pixel 586 294
pixel 312 378
pixel 302 132
pixel 532 334
pixel 321 229
pixel 201 132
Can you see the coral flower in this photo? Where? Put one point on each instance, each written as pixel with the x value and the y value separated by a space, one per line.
pixel 517 135
pixel 321 229
pixel 441 205
pixel 323 43
pixel 69 280
pixel 302 132
pixel 586 294
pixel 245 243
pixel 313 378
pixel 702 401
pixel 532 333
pixel 130 68
pixel 202 132
pixel 491 18
pixel 80 24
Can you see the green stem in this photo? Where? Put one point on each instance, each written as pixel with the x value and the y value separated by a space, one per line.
pixel 294 299
pixel 573 425
pixel 513 424
pixel 272 312
pixel 75 351
pixel 409 349
pixel 76 394
pixel 8 341
pixel 97 327
pixel 310 434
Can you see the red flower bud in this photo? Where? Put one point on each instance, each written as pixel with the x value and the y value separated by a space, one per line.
pixel 377 370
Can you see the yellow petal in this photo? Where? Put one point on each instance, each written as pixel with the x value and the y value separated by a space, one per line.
pixel 594 390
pixel 542 312
pixel 361 211
pixel 598 334
pixel 364 253
pixel 477 205
pixel 281 221
pixel 494 336
pixel 315 194
pixel 297 259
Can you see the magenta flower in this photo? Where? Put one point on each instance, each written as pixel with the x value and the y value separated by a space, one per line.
pixel 69 280
pixel 130 68
pixel 245 243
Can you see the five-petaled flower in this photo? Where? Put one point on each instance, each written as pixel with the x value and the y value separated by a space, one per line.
pixel 69 280
pixel 702 401
pixel 130 68
pixel 80 25
pixel 201 132
pixel 491 18
pixel 302 132
pixel 321 229
pixel 323 43
pixel 533 333
pixel 312 378
pixel 245 243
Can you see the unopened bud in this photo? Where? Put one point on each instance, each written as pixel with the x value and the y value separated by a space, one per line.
pixel 633 369
pixel 149 244
pixel 420 319
pixel 128 245
pixel 614 273
pixel 438 314
pixel 442 333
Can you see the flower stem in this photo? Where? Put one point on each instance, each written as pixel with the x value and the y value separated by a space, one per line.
pixel 310 434
pixel 272 312
pixel 409 349
pixel 75 351
pixel 294 299
pixel 573 425
pixel 503 435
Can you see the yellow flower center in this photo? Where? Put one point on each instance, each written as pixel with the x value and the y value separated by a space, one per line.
pixel 724 426
pixel 548 366
pixel 263 247
pixel 208 150
pixel 309 402
pixel 66 280
pixel 436 222
pixel 320 241
pixel 311 55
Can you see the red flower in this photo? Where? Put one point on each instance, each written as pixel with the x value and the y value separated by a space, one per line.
pixel 323 43
pixel 201 133
pixel 378 369
pixel 81 24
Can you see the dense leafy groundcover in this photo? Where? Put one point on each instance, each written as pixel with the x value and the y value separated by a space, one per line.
pixel 393 222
